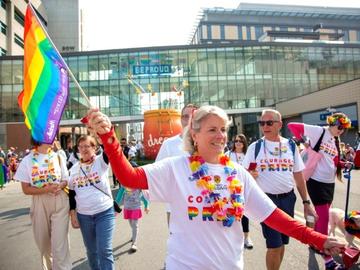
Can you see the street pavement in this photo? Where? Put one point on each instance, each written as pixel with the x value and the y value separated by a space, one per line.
pixel 18 250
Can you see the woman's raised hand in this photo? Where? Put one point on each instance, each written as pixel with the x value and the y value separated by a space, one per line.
pixel 97 122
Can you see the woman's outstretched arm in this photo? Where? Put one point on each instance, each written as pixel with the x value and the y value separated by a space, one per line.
pixel 280 221
pixel 128 176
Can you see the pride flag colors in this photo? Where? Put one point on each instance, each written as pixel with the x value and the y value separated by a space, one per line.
pixel 46 82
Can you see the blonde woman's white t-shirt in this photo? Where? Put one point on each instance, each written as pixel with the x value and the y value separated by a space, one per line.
pixel 198 241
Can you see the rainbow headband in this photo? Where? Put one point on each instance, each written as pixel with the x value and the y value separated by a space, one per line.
pixel 339 120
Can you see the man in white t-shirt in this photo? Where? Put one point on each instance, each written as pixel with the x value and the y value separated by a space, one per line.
pixel 173 146
pixel 276 164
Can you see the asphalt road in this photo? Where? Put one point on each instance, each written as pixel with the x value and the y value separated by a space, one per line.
pixel 18 250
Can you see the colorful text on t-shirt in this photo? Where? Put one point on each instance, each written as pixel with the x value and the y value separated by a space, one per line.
pixel 328 149
pixel 84 181
pixel 276 164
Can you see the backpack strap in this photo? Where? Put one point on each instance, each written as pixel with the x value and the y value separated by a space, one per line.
pixel 317 145
pixel 258 147
pixel 292 146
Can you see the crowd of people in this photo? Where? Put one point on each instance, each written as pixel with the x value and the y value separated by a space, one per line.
pixel 9 161
pixel 253 181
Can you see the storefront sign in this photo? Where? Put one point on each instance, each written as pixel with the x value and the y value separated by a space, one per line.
pixel 151 69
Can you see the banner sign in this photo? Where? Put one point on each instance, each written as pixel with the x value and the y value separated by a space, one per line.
pixel 151 69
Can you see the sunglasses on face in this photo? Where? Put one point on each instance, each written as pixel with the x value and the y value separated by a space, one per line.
pixel 268 122
pixel 238 141
pixel 340 127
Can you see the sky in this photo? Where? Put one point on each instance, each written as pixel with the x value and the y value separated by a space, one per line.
pixel 116 24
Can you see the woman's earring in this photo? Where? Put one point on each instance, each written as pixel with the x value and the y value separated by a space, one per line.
pixel 195 146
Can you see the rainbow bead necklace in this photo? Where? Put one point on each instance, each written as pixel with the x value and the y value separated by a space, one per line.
pixel 225 209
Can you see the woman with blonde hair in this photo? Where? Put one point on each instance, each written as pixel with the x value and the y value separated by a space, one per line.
pixel 208 195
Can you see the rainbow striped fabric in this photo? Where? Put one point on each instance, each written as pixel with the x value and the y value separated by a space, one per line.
pixel 46 82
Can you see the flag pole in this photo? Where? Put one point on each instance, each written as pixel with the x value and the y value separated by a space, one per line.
pixel 66 66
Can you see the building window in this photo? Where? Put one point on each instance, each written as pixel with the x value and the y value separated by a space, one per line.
pixel 19 17
pixel 19 41
pixel 2 51
pixel 248 32
pixel 3 27
pixel 231 32
pixel 3 4
pixel 215 31
pixel 258 32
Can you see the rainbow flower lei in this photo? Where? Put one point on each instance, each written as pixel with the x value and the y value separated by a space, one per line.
pixel 339 120
pixel 225 209
pixel 38 181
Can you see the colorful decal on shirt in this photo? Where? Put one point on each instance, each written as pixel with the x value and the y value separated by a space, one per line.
pixel 85 181
pixel 43 173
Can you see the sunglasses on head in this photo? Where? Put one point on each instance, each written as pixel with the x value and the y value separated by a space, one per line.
pixel 268 122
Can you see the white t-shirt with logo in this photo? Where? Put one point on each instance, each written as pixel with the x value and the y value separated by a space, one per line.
pixel 198 241
pixel 171 147
pixel 89 200
pixel 276 164
pixel 26 174
pixel 326 169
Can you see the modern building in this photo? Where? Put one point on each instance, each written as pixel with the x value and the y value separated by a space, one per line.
pixel 304 79
pixel 61 19
pixel 12 19
pixel 64 24
pixel 253 21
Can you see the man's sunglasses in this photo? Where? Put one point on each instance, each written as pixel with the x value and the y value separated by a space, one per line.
pixel 268 122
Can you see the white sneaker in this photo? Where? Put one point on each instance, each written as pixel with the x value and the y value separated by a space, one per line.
pixel 133 248
pixel 248 244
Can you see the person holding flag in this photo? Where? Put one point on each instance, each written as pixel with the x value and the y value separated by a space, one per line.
pixel 43 173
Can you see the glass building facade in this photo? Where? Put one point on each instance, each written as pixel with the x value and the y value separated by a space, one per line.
pixel 235 77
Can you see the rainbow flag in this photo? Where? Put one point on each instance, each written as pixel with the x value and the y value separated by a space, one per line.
pixel 46 82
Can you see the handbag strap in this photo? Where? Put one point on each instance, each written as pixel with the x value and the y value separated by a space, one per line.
pixel 317 145
pixel 93 185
